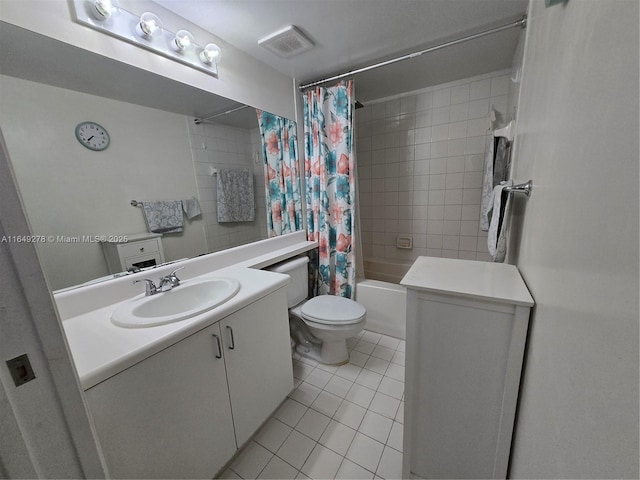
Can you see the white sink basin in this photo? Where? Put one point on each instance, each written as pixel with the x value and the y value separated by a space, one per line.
pixel 184 301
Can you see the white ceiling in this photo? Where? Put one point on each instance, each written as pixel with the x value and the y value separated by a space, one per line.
pixel 353 33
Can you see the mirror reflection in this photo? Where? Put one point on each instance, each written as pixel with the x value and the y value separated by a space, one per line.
pixel 75 197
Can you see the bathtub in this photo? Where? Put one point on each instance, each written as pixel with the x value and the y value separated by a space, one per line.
pixel 386 305
pixel 385 270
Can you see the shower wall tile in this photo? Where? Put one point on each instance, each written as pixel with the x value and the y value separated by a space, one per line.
pixel 421 159
pixel 480 89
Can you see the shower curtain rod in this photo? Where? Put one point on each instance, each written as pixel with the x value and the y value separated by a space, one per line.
pixel 518 23
pixel 198 121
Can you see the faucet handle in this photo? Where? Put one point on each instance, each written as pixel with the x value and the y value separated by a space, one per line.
pixel 173 274
pixel 173 278
pixel 151 288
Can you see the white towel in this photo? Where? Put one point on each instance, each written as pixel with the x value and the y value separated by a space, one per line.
pixel 487 188
pixel 497 239
pixel 235 195
pixel 191 207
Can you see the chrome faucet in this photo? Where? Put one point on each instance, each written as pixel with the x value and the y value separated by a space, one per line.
pixel 151 288
pixel 170 281
pixel 165 283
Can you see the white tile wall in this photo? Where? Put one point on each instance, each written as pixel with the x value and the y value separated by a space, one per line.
pixel 420 159
pixel 215 146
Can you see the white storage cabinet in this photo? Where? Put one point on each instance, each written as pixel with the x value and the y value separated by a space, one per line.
pixel 139 250
pixel 466 329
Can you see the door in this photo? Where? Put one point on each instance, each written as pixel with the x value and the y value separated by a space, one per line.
pixel 168 416
pixel 258 359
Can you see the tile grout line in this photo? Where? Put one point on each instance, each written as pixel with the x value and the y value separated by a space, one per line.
pixel 280 458
pixel 333 373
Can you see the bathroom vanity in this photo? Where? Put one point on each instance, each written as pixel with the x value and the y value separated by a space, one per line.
pixel 178 400
pixel 466 330
pixel 172 414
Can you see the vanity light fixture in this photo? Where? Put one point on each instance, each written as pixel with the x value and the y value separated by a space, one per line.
pixel 103 9
pixel 149 24
pixel 183 41
pixel 211 54
pixel 146 31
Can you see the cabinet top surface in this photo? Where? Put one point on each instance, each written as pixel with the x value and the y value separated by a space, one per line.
pixel 101 349
pixel 468 278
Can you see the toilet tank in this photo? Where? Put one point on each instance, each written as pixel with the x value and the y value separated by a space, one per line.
pixel 298 287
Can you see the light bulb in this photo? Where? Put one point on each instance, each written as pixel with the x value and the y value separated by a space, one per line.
pixel 148 24
pixel 103 9
pixel 182 41
pixel 211 54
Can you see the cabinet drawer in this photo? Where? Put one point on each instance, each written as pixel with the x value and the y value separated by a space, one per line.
pixel 142 261
pixel 138 248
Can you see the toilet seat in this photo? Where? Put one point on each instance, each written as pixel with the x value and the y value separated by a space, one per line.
pixel 332 310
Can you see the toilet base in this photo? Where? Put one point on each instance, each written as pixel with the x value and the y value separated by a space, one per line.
pixel 330 352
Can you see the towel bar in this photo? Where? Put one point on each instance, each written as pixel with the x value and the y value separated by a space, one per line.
pixel 521 188
pixel 135 203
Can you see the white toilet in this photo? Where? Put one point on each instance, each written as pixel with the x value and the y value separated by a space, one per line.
pixel 321 325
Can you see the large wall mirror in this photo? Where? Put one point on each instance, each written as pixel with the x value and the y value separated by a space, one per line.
pixel 74 195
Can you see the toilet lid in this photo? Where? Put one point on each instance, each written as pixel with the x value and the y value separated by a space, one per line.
pixel 332 310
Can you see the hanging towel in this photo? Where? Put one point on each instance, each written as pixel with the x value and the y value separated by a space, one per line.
pixel 235 195
pixel 502 161
pixel 163 217
pixel 496 170
pixel 487 188
pixel 191 207
pixel 500 207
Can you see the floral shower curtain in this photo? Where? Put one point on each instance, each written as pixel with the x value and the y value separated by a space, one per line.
pixel 330 185
pixel 282 179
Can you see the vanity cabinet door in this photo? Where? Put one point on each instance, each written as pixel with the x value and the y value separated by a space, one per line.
pixel 257 354
pixel 168 416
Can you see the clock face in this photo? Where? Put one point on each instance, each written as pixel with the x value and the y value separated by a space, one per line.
pixel 92 136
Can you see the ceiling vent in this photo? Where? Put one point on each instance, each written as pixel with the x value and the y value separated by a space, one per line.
pixel 287 42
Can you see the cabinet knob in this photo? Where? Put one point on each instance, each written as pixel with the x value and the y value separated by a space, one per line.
pixel 142 249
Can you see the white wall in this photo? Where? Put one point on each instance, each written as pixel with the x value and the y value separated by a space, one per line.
pixel 241 77
pixel 69 190
pixel 578 245
pixel 46 431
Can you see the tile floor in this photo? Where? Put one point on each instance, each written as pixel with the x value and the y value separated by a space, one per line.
pixel 340 422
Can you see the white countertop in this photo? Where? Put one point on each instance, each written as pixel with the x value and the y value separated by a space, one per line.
pixel 469 278
pixel 101 349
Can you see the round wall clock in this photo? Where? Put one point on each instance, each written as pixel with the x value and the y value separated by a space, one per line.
pixel 92 136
